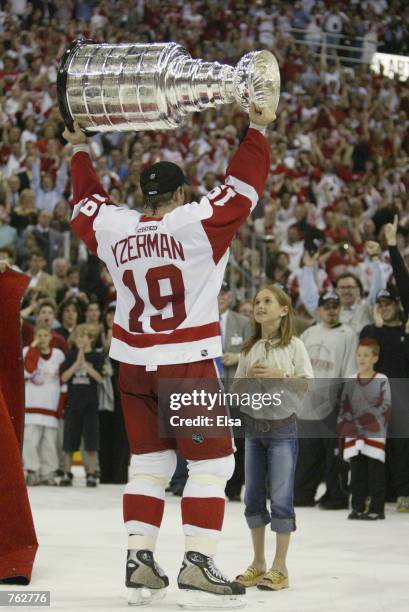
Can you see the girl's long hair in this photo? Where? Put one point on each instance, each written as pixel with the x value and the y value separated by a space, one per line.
pixel 286 331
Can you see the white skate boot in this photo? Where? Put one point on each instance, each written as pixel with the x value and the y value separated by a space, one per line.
pixel 203 586
pixel 145 580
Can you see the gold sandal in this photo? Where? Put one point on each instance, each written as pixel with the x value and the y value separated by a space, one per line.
pixel 273 580
pixel 251 577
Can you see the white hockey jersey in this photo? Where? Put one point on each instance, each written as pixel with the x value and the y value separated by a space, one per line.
pixel 168 270
pixel 42 386
pixel 365 409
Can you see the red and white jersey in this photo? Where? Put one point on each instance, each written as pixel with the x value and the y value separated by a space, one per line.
pixel 168 270
pixel 42 386
pixel 365 410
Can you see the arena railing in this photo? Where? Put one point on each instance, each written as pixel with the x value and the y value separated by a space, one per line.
pixel 359 52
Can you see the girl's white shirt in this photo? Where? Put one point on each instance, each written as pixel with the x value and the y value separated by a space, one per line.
pixel 293 359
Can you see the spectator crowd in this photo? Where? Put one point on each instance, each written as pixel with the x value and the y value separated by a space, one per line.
pixel 334 216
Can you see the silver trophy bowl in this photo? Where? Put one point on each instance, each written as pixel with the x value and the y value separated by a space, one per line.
pixel 122 87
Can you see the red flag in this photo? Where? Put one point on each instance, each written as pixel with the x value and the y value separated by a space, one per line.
pixel 18 541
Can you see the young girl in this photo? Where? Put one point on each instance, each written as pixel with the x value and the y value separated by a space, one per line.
pixel 273 352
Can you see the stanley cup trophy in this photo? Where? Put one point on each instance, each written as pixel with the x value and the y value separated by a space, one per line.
pixel 122 87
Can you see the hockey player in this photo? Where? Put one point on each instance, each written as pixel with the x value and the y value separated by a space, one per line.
pixel 167 268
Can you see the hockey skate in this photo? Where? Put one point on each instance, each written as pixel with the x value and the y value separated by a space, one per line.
pixel 145 580
pixel 203 586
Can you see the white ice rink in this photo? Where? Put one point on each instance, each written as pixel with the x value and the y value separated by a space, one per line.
pixel 335 565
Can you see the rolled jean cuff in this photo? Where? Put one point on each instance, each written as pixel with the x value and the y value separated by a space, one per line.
pixel 257 520
pixel 283 525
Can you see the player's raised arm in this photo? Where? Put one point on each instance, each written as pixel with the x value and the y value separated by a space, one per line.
pixel 226 207
pixel 251 162
pixel 84 178
pixel 88 193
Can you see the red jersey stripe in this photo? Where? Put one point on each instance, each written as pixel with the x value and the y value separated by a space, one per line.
pixel 374 443
pixel 188 334
pixel 45 411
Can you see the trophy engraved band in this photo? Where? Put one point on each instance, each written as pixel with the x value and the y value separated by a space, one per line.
pixel 121 87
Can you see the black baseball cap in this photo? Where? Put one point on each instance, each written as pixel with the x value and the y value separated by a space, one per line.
pixel 387 294
pixel 329 296
pixel 162 177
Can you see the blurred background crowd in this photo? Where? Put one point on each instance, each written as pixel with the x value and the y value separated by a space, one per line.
pixel 340 151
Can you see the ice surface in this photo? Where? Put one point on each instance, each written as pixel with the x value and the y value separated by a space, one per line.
pixel 334 564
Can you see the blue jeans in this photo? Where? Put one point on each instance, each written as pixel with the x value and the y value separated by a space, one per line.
pixel 273 457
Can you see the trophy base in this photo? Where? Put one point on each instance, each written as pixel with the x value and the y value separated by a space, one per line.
pixel 257 80
pixel 265 82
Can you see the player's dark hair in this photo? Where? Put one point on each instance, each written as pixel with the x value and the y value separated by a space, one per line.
pixel 156 202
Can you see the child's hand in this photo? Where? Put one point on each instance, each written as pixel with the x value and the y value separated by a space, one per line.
pixel 263 370
pixel 268 372
pixel 254 369
pixel 80 358
pixel 3 265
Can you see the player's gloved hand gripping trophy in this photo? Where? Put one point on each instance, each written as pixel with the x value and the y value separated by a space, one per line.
pixel 122 87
